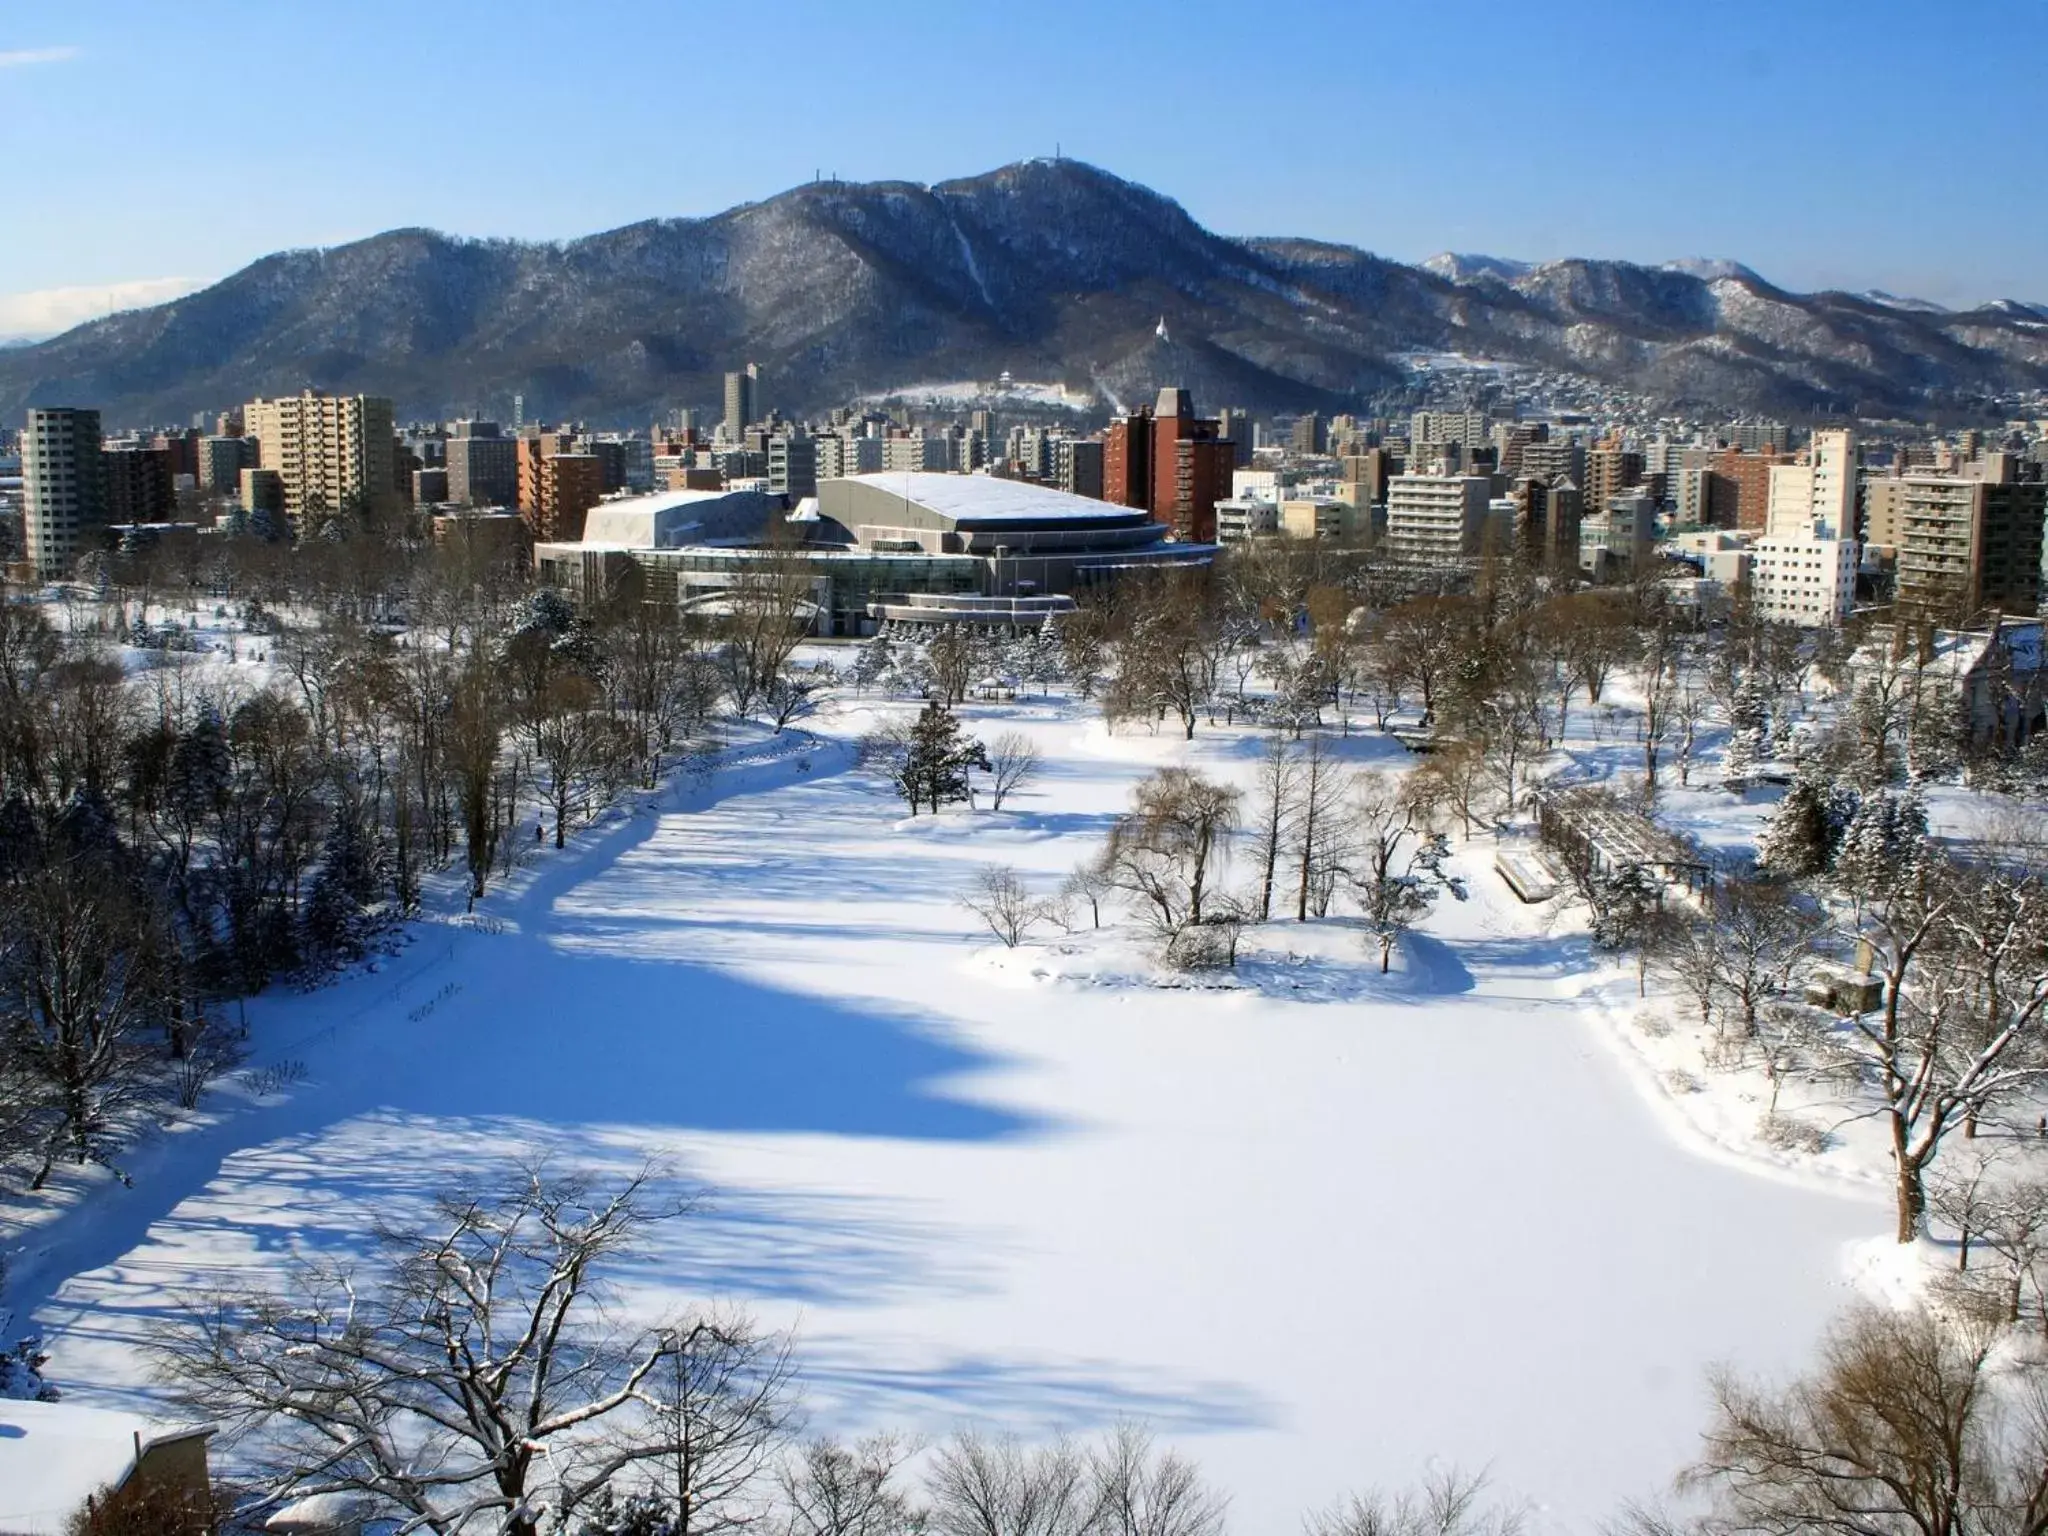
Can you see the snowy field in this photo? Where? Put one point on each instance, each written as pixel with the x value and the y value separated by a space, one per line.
pixel 1321 1229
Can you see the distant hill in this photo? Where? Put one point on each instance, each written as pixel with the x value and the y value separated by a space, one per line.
pixel 1054 271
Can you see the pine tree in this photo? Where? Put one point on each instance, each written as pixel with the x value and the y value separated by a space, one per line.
pixel 937 760
pixel 1885 838
pixel 1749 733
pixel 1801 837
pixel 876 661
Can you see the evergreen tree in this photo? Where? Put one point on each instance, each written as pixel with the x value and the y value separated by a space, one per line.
pixel 1749 732
pixel 876 661
pixel 1884 839
pixel 1805 831
pixel 937 759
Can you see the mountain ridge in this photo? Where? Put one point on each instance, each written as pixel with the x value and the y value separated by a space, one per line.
pixel 1050 270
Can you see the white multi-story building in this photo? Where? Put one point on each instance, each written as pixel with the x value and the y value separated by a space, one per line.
pixel 1436 517
pixel 1246 517
pixel 64 497
pixel 1805 581
pixel 1816 499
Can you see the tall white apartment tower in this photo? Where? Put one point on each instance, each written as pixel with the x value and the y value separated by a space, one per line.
pixel 1816 499
pixel 64 497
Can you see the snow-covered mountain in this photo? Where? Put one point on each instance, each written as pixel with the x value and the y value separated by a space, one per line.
pixel 1053 271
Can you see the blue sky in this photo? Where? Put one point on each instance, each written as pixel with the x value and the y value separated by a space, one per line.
pixel 1887 143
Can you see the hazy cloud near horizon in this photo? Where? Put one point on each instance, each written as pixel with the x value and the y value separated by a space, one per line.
pixel 49 311
pixel 22 58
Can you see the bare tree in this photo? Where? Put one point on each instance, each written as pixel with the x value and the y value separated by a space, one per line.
pixel 1274 808
pixel 1905 1427
pixel 477 1372
pixel 80 992
pixel 1451 1502
pixel 1164 851
pixel 979 1486
pixel 1963 1197
pixel 1317 836
pixel 1963 954
pixel 1013 762
pixel 2015 1227
pixel 1087 882
pixel 832 1489
pixel 1002 901
pixel 1135 1489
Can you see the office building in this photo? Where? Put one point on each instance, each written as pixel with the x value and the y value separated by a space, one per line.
pixel 64 501
pixel 742 402
pixel 330 452
pixel 483 467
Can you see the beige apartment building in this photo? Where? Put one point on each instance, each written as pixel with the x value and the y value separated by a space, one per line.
pixel 329 451
pixel 1436 518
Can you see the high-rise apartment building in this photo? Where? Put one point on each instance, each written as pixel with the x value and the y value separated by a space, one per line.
pixel 1817 498
pixel 793 464
pixel 64 500
pixel 1191 467
pixel 742 401
pixel 1740 492
pixel 221 462
pixel 1077 467
pixel 1436 518
pixel 1307 436
pixel 570 485
pixel 330 452
pixel 1555 459
pixel 140 486
pixel 1610 470
pixel 1968 546
pixel 1127 460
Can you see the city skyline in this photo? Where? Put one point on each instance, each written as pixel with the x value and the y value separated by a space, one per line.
pixel 1774 140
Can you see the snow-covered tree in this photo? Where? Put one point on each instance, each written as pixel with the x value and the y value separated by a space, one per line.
pixel 1885 836
pixel 1749 732
pixel 472 1377
pixel 1396 868
pixel 936 759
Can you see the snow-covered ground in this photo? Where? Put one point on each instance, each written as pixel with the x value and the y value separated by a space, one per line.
pixel 1319 1235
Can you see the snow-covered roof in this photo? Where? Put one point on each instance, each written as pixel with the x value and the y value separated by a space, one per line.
pixel 660 520
pixel 53 1456
pixel 987 499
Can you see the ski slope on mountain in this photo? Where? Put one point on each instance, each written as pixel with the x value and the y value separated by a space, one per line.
pixel 1321 1229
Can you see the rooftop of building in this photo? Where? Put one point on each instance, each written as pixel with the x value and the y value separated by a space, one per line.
pixel 980 499
pixel 54 1456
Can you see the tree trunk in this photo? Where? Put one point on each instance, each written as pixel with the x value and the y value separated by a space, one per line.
pixel 1912 1196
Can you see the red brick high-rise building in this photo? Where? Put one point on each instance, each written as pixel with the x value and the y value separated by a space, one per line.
pixel 1127 460
pixel 1171 462
pixel 1739 491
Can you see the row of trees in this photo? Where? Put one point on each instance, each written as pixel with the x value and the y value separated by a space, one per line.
pixel 470 1371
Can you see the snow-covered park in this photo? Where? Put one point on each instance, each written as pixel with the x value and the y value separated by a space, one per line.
pixel 1321 1229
